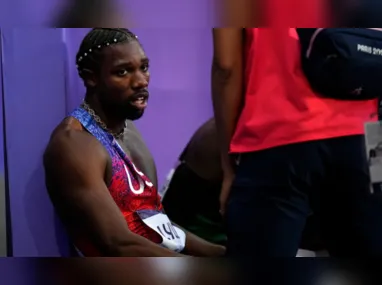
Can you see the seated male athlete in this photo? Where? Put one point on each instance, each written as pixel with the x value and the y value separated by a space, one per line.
pixel 110 207
pixel 191 194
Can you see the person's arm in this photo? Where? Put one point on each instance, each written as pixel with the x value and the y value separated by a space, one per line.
pixel 241 13
pixel 75 166
pixel 196 246
pixel 227 88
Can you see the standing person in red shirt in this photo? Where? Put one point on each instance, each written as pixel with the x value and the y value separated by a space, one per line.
pixel 295 152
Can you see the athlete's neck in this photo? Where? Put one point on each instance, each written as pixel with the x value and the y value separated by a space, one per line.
pixel 112 122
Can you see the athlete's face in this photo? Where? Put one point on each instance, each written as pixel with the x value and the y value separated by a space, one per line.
pixel 123 80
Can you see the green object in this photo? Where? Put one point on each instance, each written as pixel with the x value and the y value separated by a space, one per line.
pixel 207 229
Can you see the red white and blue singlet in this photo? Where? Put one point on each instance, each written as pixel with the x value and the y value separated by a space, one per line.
pixel 134 194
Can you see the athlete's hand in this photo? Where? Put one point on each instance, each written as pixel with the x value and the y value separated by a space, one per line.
pixel 225 190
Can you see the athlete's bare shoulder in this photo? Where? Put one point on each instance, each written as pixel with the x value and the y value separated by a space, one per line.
pixel 70 146
pixel 70 131
pixel 68 126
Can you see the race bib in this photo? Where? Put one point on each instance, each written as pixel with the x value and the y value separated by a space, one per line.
pixel 173 238
pixel 373 138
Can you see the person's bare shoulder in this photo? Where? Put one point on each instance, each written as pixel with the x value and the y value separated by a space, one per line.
pixel 72 151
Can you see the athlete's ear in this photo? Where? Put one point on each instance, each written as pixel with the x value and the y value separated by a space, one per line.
pixel 89 77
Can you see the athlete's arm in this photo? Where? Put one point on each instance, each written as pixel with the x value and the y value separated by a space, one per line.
pixel 227 88
pixel 196 246
pixel 75 166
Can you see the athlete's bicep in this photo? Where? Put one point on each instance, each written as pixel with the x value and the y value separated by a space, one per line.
pixel 75 168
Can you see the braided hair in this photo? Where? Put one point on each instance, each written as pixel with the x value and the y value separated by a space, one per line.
pixel 90 51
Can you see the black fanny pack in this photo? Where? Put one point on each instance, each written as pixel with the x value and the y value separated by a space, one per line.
pixel 343 63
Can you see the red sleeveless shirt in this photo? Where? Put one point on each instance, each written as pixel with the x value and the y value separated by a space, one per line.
pixel 131 190
pixel 280 107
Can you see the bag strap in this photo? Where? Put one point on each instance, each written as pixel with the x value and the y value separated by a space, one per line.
pixel 304 35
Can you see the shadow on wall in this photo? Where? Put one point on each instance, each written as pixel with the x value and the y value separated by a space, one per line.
pixel 36 197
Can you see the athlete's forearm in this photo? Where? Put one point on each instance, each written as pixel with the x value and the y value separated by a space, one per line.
pixel 138 246
pixel 146 251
